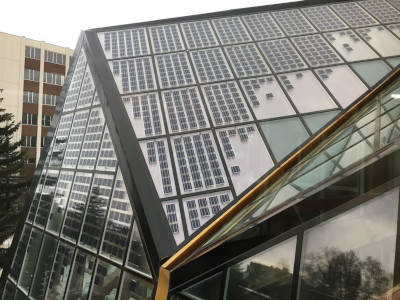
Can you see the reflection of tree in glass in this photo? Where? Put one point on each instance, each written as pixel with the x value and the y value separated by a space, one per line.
pixel 334 274
pixel 258 281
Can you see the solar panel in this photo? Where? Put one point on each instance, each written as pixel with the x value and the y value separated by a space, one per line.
pixel 174 70
pixel 316 50
pixel 226 144
pixel 193 214
pixel 262 26
pixel 246 60
pixel 166 38
pixel 226 103
pixel 353 14
pixel 172 218
pixel 231 30
pixel 215 206
pixel 282 56
pixel 184 109
pixel 324 18
pixel 136 75
pixel 204 59
pixel 199 34
pixel 92 140
pixel 293 22
pixel 76 82
pixel 381 10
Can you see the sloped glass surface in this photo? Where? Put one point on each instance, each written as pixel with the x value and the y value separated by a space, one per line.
pixel 80 207
pixel 265 275
pixel 364 70
pixel 350 145
pixel 367 249
pixel 135 288
pixel 284 135
pixel 316 121
pixel 208 289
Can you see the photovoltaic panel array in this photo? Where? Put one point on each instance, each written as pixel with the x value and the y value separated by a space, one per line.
pixel 293 22
pixel 282 56
pixel 231 30
pixel 353 14
pixel 199 34
pixel 323 18
pixel 262 26
pixel 125 43
pixel 381 10
pixel 246 60
pixel 174 70
pixel 166 38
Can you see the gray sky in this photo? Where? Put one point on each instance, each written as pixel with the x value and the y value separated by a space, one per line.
pixel 60 23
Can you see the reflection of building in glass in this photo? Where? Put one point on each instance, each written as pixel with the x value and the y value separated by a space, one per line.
pixel 250 154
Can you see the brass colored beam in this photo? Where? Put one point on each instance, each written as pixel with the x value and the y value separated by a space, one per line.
pixel 183 254
pixel 162 285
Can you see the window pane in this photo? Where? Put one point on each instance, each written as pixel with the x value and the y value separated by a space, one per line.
pixel 352 255
pixel 284 135
pixel 105 281
pixel 61 268
pixel 82 274
pixel 43 267
pixel 364 70
pixel 208 289
pixel 267 275
pixel 134 288
pixel 31 255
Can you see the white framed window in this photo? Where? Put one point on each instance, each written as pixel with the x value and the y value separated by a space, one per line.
pixel 29 119
pixel 32 52
pixel 46 120
pixel 30 97
pixel 53 78
pixel 50 99
pixel 32 75
pixel 29 141
pixel 55 58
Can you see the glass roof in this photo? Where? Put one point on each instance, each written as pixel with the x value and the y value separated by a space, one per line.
pixel 371 132
pixel 192 89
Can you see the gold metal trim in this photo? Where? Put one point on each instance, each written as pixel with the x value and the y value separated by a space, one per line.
pixel 183 254
pixel 162 285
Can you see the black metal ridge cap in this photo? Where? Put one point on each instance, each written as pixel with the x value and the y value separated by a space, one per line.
pixel 219 14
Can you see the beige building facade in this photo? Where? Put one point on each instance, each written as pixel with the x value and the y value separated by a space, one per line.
pixel 31 77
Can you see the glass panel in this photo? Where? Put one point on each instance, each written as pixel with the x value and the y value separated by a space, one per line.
pixel 266 275
pixel 284 135
pixel 79 283
pixel 137 257
pixel 20 253
pixel 208 289
pixel 304 85
pixel 31 256
pixel 118 222
pixel 46 198
pixel 134 288
pixel 43 267
pixel 364 70
pixel 60 201
pixel 352 264
pixel 60 273
pixel 9 291
pixel 96 211
pixel 316 121
pixel 105 281
pixel 343 83
pixel 394 61
pixel 20 296
pixel 107 160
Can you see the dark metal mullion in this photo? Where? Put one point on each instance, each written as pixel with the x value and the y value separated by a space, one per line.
pixel 223 284
pixel 296 280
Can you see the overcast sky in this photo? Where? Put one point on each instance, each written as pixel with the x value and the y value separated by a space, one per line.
pixel 60 23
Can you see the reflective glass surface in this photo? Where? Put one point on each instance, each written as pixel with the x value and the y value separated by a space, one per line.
pixel 267 274
pixel 206 289
pixel 352 264
pixel 134 288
